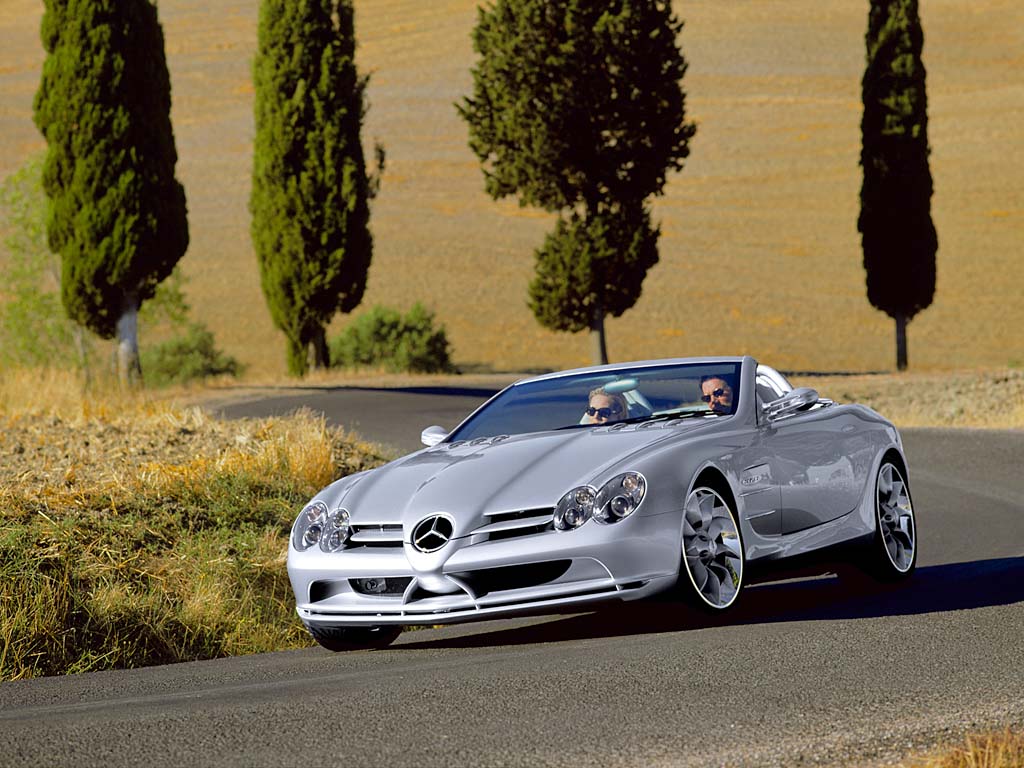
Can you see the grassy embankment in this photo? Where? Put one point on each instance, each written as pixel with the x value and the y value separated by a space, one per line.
pixel 133 532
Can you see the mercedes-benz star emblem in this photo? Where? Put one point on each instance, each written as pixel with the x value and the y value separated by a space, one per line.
pixel 432 533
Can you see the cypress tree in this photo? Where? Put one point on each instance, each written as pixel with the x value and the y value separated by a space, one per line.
pixel 117 214
pixel 587 269
pixel 897 234
pixel 578 107
pixel 310 192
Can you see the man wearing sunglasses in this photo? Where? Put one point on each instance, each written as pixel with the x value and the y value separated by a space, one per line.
pixel 605 408
pixel 717 393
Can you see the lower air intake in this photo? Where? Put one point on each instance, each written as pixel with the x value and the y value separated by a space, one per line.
pixel 381 587
pixel 488 580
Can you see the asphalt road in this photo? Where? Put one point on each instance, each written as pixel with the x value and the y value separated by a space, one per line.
pixel 392 417
pixel 803 672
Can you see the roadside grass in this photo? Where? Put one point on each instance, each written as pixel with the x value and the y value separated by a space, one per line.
pixel 986 399
pixel 134 532
pixel 986 750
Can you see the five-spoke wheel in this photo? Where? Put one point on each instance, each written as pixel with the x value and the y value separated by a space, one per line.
pixel 712 549
pixel 896 535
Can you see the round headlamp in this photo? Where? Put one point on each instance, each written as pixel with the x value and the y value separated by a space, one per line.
pixel 575 508
pixel 619 497
pixel 336 531
pixel 309 525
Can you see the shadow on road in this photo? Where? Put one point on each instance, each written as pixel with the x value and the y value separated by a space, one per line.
pixel 939 588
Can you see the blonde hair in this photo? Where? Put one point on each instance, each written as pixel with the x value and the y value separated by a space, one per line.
pixel 616 396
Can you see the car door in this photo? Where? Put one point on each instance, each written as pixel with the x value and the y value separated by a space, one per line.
pixel 811 460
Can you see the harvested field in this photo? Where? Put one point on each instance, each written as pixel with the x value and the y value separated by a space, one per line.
pixel 759 251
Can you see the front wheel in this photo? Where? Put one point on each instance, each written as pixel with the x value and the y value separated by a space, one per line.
pixel 712 557
pixel 354 638
pixel 893 550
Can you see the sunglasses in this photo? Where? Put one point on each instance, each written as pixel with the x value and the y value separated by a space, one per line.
pixel 604 413
pixel 715 393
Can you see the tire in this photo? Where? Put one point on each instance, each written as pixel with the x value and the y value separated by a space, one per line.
pixel 892 554
pixel 712 562
pixel 354 638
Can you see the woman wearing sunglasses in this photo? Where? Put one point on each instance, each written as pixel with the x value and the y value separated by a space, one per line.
pixel 605 408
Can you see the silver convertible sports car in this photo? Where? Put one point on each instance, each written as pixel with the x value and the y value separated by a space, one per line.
pixel 606 483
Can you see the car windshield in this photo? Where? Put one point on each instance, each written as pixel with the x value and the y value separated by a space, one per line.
pixel 599 398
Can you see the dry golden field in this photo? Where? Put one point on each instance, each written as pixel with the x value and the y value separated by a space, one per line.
pixel 759 252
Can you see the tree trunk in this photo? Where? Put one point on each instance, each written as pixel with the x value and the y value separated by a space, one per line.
pixel 298 358
pixel 129 370
pixel 598 349
pixel 321 354
pixel 901 342
pixel 83 356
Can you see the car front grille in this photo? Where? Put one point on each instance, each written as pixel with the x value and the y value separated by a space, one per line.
pixel 510 525
pixel 497 525
pixel 375 536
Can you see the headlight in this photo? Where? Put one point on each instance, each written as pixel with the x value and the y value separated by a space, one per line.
pixel 336 531
pixel 619 497
pixel 309 525
pixel 315 525
pixel 575 508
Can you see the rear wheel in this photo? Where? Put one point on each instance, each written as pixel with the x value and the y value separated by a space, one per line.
pixel 712 557
pixel 354 638
pixel 892 554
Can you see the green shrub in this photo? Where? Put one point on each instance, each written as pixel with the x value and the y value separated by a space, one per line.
pixel 187 358
pixel 384 338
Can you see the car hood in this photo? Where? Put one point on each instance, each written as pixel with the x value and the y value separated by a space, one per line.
pixel 496 474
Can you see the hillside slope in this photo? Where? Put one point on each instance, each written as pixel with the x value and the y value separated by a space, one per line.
pixel 759 252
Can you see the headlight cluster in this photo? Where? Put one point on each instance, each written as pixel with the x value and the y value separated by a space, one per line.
pixel 617 499
pixel 315 525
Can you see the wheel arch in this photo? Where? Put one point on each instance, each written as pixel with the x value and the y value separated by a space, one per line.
pixel 715 478
pixel 893 454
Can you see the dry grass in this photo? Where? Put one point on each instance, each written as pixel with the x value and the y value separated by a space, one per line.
pixel 990 750
pixel 981 399
pixel 759 253
pixel 136 532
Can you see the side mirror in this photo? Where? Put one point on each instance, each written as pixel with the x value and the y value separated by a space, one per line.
pixel 433 435
pixel 790 403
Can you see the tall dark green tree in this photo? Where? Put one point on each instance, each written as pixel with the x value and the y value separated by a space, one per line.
pixel 311 190
pixel 117 214
pixel 578 108
pixel 897 233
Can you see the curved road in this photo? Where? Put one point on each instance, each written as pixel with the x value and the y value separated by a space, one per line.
pixel 804 672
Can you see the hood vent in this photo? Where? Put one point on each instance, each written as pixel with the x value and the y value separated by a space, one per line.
pixel 476 442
